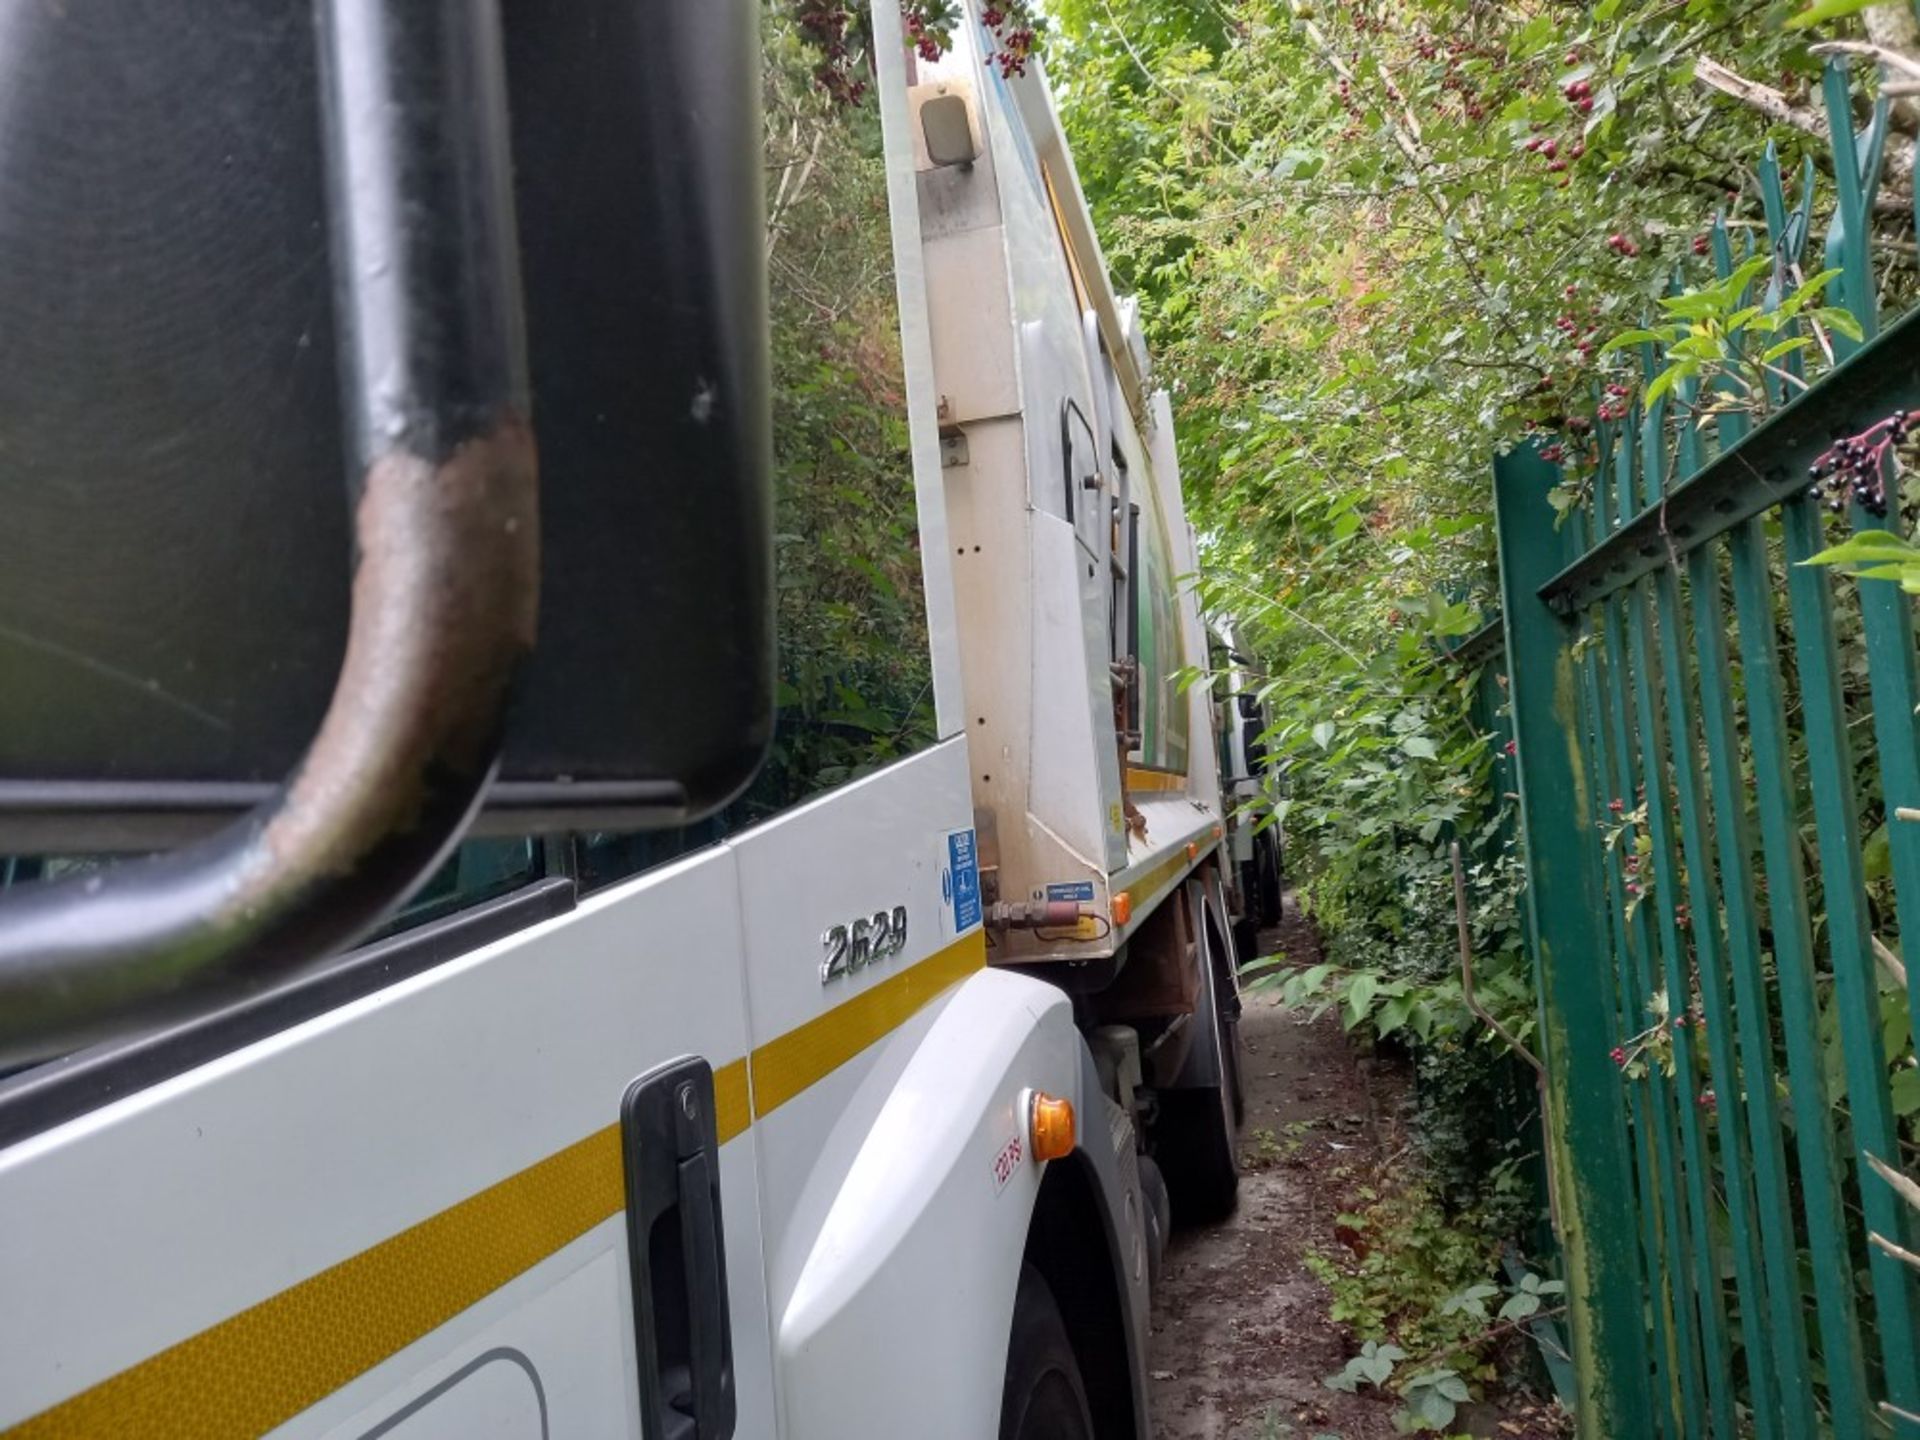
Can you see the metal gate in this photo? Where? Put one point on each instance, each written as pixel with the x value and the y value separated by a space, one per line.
pixel 1715 745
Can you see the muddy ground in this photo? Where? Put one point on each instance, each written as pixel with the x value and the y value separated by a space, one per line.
pixel 1241 1338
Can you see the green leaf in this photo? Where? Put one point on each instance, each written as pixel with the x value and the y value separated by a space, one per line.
pixel 1360 995
pixel 1695 304
pixel 1635 337
pixel 1824 10
pixel 1323 734
pixel 1810 290
pixel 1519 1306
pixel 1841 322
pixel 1905 1088
pixel 1866 547
pixel 1420 1020
pixel 1668 378
pixel 1420 747
pixel 1392 1015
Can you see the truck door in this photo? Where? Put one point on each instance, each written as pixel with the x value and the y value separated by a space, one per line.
pixel 392 1200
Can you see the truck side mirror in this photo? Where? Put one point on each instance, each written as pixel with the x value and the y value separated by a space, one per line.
pixel 238 268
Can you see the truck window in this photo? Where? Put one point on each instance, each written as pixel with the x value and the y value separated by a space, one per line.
pixel 1162 651
pixel 855 687
pixel 855 684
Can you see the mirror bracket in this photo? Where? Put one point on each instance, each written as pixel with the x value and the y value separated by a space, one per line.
pixel 444 597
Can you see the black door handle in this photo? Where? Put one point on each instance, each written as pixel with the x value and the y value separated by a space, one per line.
pixel 676 1248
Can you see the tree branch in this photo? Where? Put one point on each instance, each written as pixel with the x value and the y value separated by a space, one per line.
pixel 1710 74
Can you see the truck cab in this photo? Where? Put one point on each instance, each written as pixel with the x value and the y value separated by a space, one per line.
pixel 798 1002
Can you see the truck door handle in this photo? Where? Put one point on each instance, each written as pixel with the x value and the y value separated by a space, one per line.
pixel 683 1340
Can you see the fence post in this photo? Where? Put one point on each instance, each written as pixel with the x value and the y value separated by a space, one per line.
pixel 1573 971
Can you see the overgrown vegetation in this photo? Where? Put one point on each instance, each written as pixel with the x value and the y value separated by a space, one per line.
pixel 1375 243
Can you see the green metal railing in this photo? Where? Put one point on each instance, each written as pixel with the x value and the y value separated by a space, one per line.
pixel 1706 730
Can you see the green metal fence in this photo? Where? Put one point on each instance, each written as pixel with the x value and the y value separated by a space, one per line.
pixel 1714 742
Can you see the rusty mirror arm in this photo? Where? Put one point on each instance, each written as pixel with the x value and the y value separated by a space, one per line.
pixel 446 566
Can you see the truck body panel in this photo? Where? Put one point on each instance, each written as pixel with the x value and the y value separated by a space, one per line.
pixel 407 1213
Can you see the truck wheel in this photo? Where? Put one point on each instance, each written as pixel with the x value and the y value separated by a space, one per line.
pixel 1195 1140
pixel 1266 864
pixel 1227 1005
pixel 1044 1398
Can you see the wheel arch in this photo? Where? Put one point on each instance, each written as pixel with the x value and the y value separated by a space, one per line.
pixel 909 1279
pixel 1074 1243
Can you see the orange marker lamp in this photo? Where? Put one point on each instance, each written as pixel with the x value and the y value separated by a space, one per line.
pixel 1050 1128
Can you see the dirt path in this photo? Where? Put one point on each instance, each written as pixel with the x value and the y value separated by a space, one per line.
pixel 1241 1338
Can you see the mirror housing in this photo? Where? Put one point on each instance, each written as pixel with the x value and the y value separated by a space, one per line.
pixel 176 544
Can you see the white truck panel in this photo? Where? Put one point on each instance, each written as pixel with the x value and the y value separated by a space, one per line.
pixel 205 1195
pixel 916 356
pixel 922 1228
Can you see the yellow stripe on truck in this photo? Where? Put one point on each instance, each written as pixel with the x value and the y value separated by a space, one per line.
pixel 784 1067
pixel 262 1367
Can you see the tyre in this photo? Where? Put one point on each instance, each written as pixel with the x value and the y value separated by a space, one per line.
pixel 1230 1054
pixel 1044 1398
pixel 1227 997
pixel 1266 864
pixel 1194 1136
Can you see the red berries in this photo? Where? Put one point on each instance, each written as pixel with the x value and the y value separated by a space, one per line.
pixel 1702 244
pixel 1622 245
pixel 1617 1055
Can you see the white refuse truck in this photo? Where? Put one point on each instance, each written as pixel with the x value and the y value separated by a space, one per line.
pixel 685 900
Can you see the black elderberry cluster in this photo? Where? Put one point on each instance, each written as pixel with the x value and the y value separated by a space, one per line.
pixel 1856 468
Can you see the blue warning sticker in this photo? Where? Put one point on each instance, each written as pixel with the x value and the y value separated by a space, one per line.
pixel 1081 890
pixel 960 882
